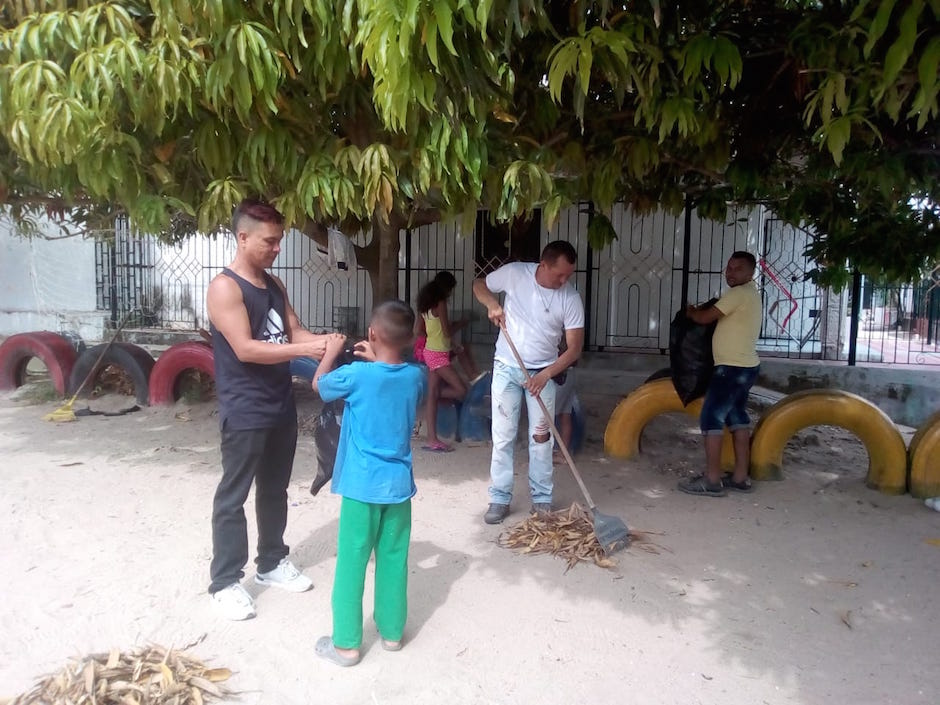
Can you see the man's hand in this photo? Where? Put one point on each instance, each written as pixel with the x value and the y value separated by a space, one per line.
pixel 537 382
pixel 316 347
pixel 497 316
pixel 363 350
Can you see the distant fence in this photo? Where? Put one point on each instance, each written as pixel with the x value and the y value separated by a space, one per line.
pixel 631 289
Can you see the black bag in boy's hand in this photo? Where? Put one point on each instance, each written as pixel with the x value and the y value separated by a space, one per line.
pixel 326 434
pixel 690 356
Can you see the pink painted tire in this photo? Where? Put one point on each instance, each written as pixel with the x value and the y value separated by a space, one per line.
pixel 164 380
pixel 56 352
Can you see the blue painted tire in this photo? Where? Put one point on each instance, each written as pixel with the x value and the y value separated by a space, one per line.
pixel 476 410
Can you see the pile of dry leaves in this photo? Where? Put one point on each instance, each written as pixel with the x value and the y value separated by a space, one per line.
pixel 567 534
pixel 148 676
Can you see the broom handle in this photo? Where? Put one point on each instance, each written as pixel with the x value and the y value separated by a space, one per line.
pixel 104 350
pixel 551 423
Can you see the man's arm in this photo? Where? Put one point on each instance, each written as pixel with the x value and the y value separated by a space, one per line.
pixel 296 333
pixel 229 316
pixel 574 338
pixel 486 297
pixel 703 316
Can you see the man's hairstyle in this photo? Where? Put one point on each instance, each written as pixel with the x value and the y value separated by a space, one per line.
pixel 257 210
pixel 446 280
pixel 556 249
pixel 747 256
pixel 393 322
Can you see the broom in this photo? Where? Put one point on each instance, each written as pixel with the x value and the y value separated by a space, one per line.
pixel 65 413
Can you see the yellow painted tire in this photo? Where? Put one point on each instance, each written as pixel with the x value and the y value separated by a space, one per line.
pixel 924 456
pixel 626 424
pixel 887 456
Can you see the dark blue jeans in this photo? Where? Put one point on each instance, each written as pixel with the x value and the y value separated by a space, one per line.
pixel 726 399
pixel 264 456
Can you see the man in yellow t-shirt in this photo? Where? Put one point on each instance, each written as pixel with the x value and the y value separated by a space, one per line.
pixel 734 348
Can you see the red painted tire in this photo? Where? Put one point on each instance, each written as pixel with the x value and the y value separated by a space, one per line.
pixel 56 352
pixel 133 359
pixel 164 380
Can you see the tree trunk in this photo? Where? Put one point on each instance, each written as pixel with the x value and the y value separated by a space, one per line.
pixel 384 276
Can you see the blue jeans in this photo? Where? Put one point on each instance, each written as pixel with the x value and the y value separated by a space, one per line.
pixel 726 399
pixel 508 392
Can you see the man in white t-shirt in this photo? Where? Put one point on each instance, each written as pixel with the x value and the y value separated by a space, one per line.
pixel 540 306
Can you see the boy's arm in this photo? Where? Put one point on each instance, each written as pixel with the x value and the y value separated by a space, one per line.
pixel 334 346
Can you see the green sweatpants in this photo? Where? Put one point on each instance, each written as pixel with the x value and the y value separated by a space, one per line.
pixel 385 528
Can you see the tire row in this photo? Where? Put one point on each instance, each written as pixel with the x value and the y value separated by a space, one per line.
pixel 155 382
pixel 892 469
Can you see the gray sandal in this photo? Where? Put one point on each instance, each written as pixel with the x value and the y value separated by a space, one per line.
pixel 727 481
pixel 701 486
pixel 325 649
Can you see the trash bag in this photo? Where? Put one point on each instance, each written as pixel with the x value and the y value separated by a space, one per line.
pixel 326 433
pixel 326 436
pixel 690 356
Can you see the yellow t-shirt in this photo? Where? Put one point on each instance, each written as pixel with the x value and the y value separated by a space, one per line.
pixel 437 341
pixel 735 339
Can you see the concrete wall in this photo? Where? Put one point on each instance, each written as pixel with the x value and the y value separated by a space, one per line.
pixel 48 284
pixel 908 394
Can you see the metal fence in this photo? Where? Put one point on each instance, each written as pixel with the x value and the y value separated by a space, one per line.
pixel 631 289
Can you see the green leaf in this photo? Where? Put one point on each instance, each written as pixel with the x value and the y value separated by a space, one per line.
pixel 878 25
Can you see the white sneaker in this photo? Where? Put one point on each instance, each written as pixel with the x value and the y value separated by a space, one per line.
pixel 233 602
pixel 286 577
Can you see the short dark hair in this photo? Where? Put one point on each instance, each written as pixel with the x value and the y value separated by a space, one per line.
pixel 559 248
pixel 747 256
pixel 257 210
pixel 394 322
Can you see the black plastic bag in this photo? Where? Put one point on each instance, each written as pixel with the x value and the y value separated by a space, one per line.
pixel 326 433
pixel 690 356
pixel 326 436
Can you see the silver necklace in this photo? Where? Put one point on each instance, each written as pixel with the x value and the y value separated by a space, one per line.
pixel 538 290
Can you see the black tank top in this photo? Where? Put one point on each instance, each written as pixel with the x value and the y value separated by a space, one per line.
pixel 250 395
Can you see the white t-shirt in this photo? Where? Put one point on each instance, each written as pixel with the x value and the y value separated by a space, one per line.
pixel 535 331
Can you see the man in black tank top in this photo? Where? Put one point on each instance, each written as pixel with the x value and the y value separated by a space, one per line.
pixel 255 335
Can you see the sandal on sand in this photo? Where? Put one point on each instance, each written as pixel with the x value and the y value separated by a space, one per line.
pixel 325 649
pixel 391 645
pixel 727 481
pixel 701 486
pixel 437 447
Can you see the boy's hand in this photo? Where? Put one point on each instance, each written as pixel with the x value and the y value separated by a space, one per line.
pixel 363 350
pixel 335 342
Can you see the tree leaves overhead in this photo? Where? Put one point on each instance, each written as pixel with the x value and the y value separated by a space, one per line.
pixel 404 111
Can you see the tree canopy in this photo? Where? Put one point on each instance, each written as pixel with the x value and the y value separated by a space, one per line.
pixel 390 113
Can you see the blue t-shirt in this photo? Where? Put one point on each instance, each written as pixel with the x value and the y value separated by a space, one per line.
pixel 373 460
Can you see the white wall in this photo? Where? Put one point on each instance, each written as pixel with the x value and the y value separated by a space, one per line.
pixel 48 284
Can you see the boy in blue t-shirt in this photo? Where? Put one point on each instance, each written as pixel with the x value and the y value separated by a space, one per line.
pixel 373 473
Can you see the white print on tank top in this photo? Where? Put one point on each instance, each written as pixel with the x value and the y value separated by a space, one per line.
pixel 274 329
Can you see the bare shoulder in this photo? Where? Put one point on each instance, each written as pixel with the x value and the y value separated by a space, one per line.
pixel 223 288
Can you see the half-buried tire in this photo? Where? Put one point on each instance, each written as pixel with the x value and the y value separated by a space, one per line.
pixel 136 362
pixel 55 351
pixel 173 362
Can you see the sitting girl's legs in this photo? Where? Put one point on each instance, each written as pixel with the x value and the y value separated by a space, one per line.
pixel 443 383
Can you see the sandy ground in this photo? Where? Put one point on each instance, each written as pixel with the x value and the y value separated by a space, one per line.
pixel 810 590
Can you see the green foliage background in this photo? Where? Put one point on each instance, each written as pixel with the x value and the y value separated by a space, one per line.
pixel 389 113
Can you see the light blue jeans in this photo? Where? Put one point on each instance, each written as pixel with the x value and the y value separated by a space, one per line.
pixel 507 393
